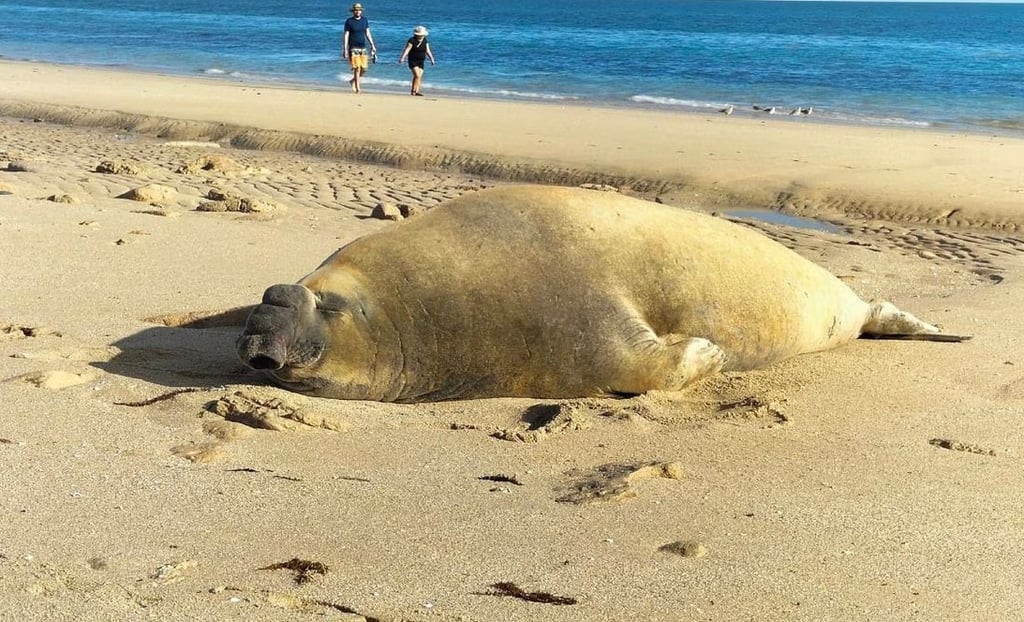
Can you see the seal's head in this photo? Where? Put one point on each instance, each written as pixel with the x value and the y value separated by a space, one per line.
pixel 285 334
pixel 305 341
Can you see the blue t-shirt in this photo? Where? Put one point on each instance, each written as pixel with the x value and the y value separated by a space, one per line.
pixel 356 29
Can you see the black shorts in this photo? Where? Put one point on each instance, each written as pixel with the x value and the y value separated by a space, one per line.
pixel 416 63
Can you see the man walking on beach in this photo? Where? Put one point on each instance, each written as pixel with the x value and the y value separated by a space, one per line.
pixel 354 44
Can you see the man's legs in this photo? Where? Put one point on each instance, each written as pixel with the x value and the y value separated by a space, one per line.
pixel 358 69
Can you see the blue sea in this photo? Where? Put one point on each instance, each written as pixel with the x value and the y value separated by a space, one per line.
pixel 911 64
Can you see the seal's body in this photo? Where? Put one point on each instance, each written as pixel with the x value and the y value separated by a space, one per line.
pixel 552 292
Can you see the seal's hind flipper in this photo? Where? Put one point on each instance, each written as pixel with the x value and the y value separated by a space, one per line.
pixel 885 321
pixel 944 337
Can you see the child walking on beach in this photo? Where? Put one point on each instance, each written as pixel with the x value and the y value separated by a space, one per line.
pixel 418 50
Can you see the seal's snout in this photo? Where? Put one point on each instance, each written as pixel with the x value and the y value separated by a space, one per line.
pixel 263 361
pixel 273 327
pixel 261 352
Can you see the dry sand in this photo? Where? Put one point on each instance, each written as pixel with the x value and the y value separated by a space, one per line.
pixel 879 481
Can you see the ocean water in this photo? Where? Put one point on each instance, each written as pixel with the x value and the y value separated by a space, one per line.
pixel 940 65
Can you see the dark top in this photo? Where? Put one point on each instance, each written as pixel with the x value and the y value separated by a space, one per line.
pixel 356 29
pixel 418 51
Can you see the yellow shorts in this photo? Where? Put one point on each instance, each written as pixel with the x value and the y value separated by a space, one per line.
pixel 358 58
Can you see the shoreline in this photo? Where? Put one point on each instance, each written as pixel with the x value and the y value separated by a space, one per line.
pixel 639 102
pixel 706 161
pixel 744 111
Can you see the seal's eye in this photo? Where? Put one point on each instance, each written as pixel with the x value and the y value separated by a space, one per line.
pixel 330 303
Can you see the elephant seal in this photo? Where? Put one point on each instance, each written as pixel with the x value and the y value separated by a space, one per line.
pixel 552 292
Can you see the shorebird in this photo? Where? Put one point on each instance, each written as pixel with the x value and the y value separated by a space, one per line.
pixel 726 110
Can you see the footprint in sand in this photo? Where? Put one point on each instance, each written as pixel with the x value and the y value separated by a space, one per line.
pixel 615 482
pixel 294 602
pixel 685 548
pixel 752 409
pixel 197 452
pixel 70 353
pixel 225 430
pixel 212 451
pixel 543 420
pixel 1013 389
pixel 54 380
pixel 10 332
pixel 200 453
pixel 262 408
pixel 173 572
pixel 241 412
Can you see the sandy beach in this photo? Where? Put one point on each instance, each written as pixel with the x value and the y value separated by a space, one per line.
pixel 878 481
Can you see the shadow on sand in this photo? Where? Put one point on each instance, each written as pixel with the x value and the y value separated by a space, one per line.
pixel 195 349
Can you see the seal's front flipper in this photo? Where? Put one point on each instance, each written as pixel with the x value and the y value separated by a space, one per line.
pixel 888 322
pixel 666 363
pixel 695 358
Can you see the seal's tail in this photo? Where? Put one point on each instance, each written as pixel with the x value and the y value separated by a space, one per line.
pixel 885 321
